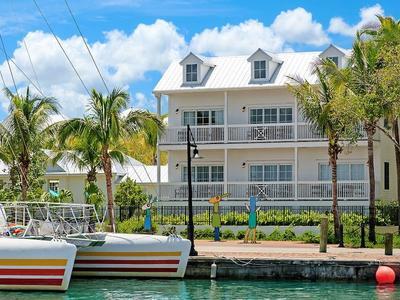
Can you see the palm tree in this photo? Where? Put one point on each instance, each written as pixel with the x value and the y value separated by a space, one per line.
pixel 321 106
pixel 24 127
pixel 387 40
pixel 359 77
pixel 105 125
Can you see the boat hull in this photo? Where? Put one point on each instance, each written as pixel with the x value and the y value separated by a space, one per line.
pixel 134 255
pixel 35 265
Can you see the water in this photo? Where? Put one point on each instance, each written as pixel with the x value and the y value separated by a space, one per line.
pixel 99 289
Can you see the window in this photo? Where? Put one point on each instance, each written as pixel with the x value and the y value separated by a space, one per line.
pixel 54 185
pixel 271 115
pixel 345 172
pixel 260 71
pixel 191 72
pixel 276 172
pixel 334 59
pixel 189 118
pixel 386 178
pixel 217 173
pixel 285 115
pixel 203 117
pixel 205 173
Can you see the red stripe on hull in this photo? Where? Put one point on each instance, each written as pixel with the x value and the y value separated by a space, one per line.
pixel 144 270
pixel 43 272
pixel 31 281
pixel 128 262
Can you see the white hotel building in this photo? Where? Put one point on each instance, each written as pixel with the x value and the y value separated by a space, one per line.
pixel 252 138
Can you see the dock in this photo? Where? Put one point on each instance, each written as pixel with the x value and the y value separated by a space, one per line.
pixel 288 260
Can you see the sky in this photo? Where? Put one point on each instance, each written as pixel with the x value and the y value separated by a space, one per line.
pixel 134 41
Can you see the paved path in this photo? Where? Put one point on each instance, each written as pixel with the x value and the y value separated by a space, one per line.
pixel 290 250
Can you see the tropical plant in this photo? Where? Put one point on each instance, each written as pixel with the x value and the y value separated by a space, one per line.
pixel 325 107
pixel 359 77
pixel 106 125
pixel 129 193
pixel 93 195
pixel 63 196
pixel 23 129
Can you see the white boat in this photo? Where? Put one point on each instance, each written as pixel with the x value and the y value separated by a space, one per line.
pixel 35 265
pixel 134 255
pixel 100 253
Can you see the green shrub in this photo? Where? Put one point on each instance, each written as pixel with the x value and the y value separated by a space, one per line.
pixel 309 237
pixel 261 236
pixel 129 193
pixel 133 225
pixel 276 235
pixel 203 234
pixel 228 234
pixel 288 234
pixel 184 233
pixel 240 234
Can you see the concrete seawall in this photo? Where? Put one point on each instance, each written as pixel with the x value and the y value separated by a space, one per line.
pixel 199 267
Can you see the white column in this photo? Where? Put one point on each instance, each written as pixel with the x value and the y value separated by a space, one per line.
pixel 158 96
pixel 295 171
pixel 225 117
pixel 295 119
pixel 225 170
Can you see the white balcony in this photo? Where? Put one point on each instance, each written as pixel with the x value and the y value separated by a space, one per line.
pixel 261 132
pixel 286 191
pixel 201 134
pixel 245 133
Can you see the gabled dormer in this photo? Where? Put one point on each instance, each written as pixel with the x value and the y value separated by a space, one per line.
pixel 338 55
pixel 263 65
pixel 194 68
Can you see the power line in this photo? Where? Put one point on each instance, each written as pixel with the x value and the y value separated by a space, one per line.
pixel 8 63
pixel 33 68
pixel 87 46
pixel 62 48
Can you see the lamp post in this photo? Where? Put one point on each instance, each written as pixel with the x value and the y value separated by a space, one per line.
pixel 190 142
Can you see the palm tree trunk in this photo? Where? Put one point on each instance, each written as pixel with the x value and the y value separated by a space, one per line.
pixel 336 222
pixel 24 165
pixel 91 175
pixel 395 131
pixel 108 173
pixel 370 128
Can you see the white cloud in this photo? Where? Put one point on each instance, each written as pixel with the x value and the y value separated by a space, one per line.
pixel 367 16
pixel 141 101
pixel 292 26
pixel 236 39
pixel 297 26
pixel 122 59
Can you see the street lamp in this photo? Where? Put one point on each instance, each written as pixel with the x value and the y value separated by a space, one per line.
pixel 190 142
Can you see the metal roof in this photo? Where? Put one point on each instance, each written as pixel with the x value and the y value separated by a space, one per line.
pixel 234 72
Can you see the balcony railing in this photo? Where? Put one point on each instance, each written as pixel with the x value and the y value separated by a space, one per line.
pixel 245 133
pixel 306 190
pixel 261 132
pixel 201 134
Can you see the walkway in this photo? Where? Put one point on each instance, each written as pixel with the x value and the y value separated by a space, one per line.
pixel 290 251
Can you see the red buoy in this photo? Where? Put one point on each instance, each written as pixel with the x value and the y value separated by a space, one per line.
pixel 385 275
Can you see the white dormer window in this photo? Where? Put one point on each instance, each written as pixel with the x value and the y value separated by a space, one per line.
pixel 334 59
pixel 260 70
pixel 191 73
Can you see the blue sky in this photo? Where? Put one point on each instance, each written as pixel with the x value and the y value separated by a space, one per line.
pixel 134 41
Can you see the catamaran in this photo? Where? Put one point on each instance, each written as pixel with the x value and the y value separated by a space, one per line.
pixel 98 253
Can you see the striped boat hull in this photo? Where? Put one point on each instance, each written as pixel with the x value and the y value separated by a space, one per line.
pixel 134 255
pixel 35 265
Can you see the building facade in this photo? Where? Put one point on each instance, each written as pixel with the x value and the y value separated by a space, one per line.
pixel 252 137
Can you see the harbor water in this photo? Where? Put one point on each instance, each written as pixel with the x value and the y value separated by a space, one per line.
pixel 99 289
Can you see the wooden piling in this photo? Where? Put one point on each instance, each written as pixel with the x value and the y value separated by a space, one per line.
pixel 323 241
pixel 388 243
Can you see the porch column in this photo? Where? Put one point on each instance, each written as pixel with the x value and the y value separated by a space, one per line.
pixel 225 117
pixel 295 119
pixel 295 171
pixel 225 170
pixel 158 96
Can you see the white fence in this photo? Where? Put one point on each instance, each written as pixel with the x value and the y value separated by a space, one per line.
pixel 305 190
